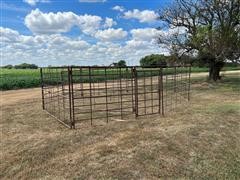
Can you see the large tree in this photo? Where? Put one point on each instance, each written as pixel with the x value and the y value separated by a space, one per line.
pixel 207 28
pixel 154 60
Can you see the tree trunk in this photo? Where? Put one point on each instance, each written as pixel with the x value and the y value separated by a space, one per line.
pixel 214 70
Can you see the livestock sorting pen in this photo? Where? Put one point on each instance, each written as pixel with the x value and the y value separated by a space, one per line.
pixel 97 95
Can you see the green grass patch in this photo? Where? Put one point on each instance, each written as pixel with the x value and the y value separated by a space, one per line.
pixel 28 78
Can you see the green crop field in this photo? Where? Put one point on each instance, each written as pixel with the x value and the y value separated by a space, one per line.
pixel 19 78
pixel 28 78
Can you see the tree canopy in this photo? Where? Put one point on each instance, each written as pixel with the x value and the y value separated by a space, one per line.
pixel 26 66
pixel 154 60
pixel 208 28
pixel 121 63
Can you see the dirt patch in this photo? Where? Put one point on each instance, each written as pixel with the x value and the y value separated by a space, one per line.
pixel 15 96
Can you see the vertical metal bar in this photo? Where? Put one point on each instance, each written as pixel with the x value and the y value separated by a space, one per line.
pixel 106 91
pixel 81 82
pixel 73 106
pixel 175 87
pixel 132 79
pixel 90 86
pixel 42 86
pixel 136 91
pixel 144 91
pixel 63 94
pixel 58 92
pixel 159 91
pixel 189 82
pixel 70 96
pixel 175 83
pixel 162 97
pixel 121 105
pixel 151 90
pixel 127 79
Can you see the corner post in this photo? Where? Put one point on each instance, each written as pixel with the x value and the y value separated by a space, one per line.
pixel 70 96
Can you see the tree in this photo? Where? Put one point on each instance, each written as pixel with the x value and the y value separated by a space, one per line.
pixel 121 63
pixel 207 28
pixel 26 66
pixel 154 60
pixel 9 66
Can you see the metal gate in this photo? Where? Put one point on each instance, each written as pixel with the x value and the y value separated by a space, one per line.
pixel 148 91
pixel 99 94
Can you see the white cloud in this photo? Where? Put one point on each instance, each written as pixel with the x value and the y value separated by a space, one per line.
pixel 57 49
pixel 50 23
pixel 92 1
pixel 34 2
pixel 145 34
pixel 109 22
pixel 118 8
pixel 8 35
pixel 111 34
pixel 145 16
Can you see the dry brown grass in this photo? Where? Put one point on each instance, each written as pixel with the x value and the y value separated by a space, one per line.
pixel 198 141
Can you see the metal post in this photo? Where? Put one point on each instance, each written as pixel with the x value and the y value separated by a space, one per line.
pixel 151 91
pixel 106 91
pixel 72 92
pixel 189 82
pixel 81 82
pixel 70 96
pixel 136 91
pixel 159 91
pixel 132 79
pixel 162 97
pixel 42 86
pixel 121 105
pixel 175 82
pixel 63 93
pixel 90 86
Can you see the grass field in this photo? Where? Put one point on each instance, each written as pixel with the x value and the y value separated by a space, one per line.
pixel 28 78
pixel 197 141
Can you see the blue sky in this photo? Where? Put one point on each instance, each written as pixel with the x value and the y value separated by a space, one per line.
pixel 80 32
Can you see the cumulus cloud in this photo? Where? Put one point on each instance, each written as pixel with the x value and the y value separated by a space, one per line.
pixel 50 23
pixel 109 22
pixel 8 35
pixel 145 34
pixel 111 34
pixel 145 16
pixel 34 2
pixel 58 49
pixel 118 8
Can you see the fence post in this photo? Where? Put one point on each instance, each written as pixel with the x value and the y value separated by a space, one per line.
pixel 159 91
pixel 42 86
pixel 63 94
pixel 90 86
pixel 106 91
pixel 161 87
pixel 175 81
pixel 72 92
pixel 189 82
pixel 81 82
pixel 132 79
pixel 70 96
pixel 136 91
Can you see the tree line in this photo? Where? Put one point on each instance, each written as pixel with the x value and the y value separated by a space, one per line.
pixel 21 66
